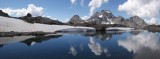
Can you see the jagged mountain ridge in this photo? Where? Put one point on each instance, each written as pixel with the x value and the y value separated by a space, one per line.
pixel 106 17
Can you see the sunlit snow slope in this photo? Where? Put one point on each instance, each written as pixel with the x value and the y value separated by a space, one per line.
pixel 11 24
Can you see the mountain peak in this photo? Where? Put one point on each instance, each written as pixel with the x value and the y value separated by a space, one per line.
pixel 137 21
pixel 76 20
pixel 104 16
pixel 107 11
pixel 76 16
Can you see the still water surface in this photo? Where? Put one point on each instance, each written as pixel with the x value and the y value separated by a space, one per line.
pixel 100 45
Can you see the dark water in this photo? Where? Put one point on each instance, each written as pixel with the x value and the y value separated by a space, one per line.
pixel 101 45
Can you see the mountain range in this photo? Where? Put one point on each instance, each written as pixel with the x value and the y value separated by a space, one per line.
pixel 105 17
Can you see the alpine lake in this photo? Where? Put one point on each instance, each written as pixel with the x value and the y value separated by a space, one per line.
pixel 83 45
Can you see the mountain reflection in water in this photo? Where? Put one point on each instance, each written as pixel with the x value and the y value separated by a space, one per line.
pixel 40 39
pixel 83 45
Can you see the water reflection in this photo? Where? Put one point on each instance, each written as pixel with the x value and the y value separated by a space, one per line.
pixel 29 40
pixel 103 35
pixel 96 48
pixel 39 39
pixel 145 45
pixel 6 40
pixel 73 51
pixel 86 45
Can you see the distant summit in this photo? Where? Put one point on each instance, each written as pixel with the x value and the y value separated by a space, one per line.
pixel 103 17
pixel 76 20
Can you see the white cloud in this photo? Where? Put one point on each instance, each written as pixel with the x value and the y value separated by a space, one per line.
pixel 73 1
pixel 94 4
pixel 34 10
pixel 152 21
pixel 147 9
pixel 82 3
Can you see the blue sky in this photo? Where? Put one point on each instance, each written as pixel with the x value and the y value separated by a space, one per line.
pixel 63 10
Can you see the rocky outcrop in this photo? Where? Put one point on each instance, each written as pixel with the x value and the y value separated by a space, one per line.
pixel 76 20
pixel 3 14
pixel 39 19
pixel 29 15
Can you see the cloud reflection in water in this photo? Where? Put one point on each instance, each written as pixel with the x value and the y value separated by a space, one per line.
pixel 96 47
pixel 73 51
pixel 145 45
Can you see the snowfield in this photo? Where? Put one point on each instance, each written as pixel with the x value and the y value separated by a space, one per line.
pixel 120 28
pixel 17 25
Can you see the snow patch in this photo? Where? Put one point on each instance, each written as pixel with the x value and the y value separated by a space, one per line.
pixel 120 28
pixel 107 22
pixel 108 11
pixel 17 25
pixel 100 16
